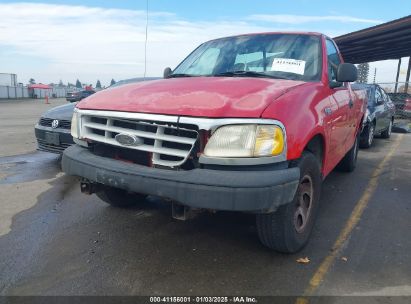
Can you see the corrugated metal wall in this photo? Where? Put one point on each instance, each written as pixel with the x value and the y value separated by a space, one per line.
pixel 14 92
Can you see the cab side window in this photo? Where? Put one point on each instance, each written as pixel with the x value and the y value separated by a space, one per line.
pixel 333 60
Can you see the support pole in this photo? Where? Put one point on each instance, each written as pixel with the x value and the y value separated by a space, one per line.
pixel 398 75
pixel 407 80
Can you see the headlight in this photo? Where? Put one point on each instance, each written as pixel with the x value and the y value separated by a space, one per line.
pixel 74 125
pixel 245 141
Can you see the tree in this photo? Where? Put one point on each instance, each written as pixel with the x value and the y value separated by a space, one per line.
pixel 61 83
pixel 78 84
pixel 98 84
pixel 363 71
pixel 32 81
pixel 112 82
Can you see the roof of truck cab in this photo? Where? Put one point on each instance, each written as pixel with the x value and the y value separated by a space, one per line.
pixel 271 33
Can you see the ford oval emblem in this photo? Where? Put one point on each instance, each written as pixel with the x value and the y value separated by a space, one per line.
pixel 128 139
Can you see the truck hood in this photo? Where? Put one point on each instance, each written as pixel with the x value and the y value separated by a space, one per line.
pixel 195 96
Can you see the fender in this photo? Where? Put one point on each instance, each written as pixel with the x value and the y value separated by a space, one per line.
pixel 302 111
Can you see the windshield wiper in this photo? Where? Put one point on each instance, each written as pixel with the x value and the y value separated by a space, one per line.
pixel 248 73
pixel 180 75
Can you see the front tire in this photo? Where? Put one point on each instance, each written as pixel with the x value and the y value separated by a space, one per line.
pixel 367 136
pixel 288 229
pixel 387 133
pixel 118 197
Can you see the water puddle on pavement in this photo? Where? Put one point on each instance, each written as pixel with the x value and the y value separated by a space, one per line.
pixel 23 179
pixel 28 167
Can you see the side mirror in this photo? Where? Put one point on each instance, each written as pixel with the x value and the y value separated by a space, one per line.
pixel 379 101
pixel 347 72
pixel 167 72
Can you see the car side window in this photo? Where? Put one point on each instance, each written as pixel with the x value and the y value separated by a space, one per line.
pixel 333 60
pixel 378 96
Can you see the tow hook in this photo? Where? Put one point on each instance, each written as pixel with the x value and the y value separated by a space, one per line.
pixel 183 213
pixel 87 187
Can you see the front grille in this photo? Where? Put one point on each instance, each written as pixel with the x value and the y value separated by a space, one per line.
pixel 63 124
pixel 45 146
pixel 170 144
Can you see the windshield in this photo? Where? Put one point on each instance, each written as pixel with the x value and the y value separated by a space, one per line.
pixel 289 56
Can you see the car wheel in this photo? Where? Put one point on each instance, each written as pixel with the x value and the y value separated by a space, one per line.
pixel 288 229
pixel 118 197
pixel 349 162
pixel 367 136
pixel 387 132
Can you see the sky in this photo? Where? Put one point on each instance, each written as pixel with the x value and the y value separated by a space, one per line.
pixel 90 40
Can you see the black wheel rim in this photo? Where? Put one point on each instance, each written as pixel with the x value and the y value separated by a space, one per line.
pixel 304 204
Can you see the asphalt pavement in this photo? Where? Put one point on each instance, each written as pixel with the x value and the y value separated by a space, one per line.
pixel 56 241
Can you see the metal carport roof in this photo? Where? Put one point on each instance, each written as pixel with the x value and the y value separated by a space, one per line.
pixel 391 40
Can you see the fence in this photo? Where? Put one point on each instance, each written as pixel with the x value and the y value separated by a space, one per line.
pixel 13 92
pixel 400 94
pixel 395 87
pixel 16 92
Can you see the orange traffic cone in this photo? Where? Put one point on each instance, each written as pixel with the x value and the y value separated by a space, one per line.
pixel 46 101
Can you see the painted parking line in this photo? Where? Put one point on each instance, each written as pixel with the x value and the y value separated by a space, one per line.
pixel 352 221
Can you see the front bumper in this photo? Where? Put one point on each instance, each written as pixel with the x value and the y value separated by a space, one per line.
pixel 62 139
pixel 251 191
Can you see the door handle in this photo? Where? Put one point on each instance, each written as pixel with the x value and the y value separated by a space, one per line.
pixel 350 103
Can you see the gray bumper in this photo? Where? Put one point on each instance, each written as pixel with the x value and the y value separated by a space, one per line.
pixel 252 191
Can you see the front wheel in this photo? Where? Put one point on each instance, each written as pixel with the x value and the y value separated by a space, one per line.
pixel 118 197
pixel 367 136
pixel 387 132
pixel 288 229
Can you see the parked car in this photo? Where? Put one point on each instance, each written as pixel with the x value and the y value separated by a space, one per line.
pixel 402 102
pixel 53 129
pixel 379 116
pixel 249 123
pixel 79 95
pixel 132 80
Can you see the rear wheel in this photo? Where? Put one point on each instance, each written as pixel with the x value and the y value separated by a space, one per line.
pixel 367 136
pixel 288 229
pixel 118 197
pixel 349 162
pixel 387 132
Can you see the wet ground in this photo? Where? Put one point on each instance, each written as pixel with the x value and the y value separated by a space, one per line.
pixel 56 241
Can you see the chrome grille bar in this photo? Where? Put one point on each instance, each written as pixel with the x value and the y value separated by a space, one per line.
pixel 156 136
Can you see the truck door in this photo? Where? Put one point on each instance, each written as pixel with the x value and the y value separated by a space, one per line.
pixel 341 133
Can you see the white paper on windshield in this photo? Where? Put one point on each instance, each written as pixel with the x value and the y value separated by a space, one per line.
pixel 288 65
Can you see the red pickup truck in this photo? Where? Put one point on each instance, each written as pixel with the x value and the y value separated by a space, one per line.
pixel 249 123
